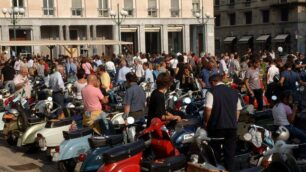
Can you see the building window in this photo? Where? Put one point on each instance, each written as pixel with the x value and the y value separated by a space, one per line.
pixel 217 20
pixel 152 8
pixel 231 2
pixel 217 2
pixel 284 14
pixel 77 9
pixel 175 8
pixel 48 7
pixel 103 8
pixel 248 17
pixel 265 16
pixel 18 3
pixel 232 19
pixel 195 7
pixel 129 7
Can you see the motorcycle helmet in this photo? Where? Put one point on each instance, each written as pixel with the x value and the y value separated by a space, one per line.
pixel 282 133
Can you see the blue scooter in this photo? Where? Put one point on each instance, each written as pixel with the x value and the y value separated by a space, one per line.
pixel 92 160
pixel 75 143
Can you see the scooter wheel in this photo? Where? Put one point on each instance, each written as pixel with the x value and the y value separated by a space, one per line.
pixel 67 165
pixel 12 138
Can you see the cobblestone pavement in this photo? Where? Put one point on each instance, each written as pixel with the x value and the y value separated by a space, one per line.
pixel 14 159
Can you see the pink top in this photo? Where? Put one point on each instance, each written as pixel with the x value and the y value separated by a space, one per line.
pixel 91 98
pixel 87 67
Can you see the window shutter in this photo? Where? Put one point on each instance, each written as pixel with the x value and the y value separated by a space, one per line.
pixel 175 4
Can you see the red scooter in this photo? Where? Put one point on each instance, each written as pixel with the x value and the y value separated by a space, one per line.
pixel 131 157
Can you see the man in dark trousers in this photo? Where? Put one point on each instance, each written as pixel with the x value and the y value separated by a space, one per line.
pixel 222 109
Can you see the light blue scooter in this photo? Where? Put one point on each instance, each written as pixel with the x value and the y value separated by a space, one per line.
pixel 75 143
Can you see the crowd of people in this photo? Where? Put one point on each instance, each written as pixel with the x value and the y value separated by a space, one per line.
pixel 259 75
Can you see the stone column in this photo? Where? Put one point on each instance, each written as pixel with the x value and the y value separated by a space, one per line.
pixel 36 36
pixel 61 37
pixel 165 40
pixel 88 32
pixel 186 38
pixel 142 39
pixel 94 37
pixel 67 32
pixel 210 37
pixel 5 35
pixel 115 37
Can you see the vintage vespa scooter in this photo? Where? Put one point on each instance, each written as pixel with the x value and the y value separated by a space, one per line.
pixel 131 157
pixel 51 136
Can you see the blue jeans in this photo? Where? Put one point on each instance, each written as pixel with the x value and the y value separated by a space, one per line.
pixel 299 134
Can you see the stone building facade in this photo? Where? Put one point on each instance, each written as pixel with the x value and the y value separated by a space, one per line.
pixel 260 24
pixel 152 25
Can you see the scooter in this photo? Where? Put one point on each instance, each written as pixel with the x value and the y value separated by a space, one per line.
pixel 10 118
pixel 45 112
pixel 5 100
pixel 75 143
pixel 51 135
pixel 131 157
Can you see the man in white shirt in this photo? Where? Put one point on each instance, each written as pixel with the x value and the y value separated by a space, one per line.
pixel 122 72
pixel 148 73
pixel 30 63
pixel 17 64
pixel 174 63
pixel 56 83
pixel 139 69
pixel 22 82
pixel 271 85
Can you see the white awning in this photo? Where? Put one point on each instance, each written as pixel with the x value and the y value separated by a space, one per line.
pixel 62 42
pixel 128 29
pixel 175 29
pixel 229 40
pixel 152 29
pixel 263 38
pixel 281 38
pixel 245 39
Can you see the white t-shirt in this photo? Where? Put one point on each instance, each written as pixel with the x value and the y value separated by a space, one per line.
pixel 185 59
pixel 272 71
pixel 79 87
pixel 280 112
pixel 30 63
pixel 173 63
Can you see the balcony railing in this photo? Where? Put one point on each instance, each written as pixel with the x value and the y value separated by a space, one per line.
pixel 175 12
pixel 48 11
pixel 103 12
pixel 152 12
pixel 77 11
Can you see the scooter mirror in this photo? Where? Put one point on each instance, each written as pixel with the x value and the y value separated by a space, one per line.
pixel 274 98
pixel 247 137
pixel 49 99
pixel 187 100
pixel 130 120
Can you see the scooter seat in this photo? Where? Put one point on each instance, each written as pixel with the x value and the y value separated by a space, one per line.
pixel 59 123
pixel 169 164
pixel 77 133
pixel 33 120
pixel 121 152
pixel 96 142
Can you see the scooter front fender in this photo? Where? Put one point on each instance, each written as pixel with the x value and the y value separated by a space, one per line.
pixel 29 136
pixel 53 136
pixel 94 159
pixel 73 148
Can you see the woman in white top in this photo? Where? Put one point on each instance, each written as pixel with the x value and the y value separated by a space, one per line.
pixel 80 83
